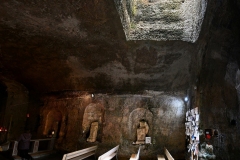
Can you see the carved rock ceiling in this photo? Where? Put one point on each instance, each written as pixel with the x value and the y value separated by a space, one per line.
pixel 81 45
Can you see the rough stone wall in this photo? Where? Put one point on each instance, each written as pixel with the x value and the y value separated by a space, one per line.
pixel 219 106
pixel 3 101
pixel 72 110
pixel 217 94
pixel 16 109
pixel 164 113
pixel 84 48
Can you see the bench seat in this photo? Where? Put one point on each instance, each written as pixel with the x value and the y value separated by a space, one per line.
pixel 133 157
pixel 83 156
pixel 80 154
pixel 160 157
pixel 109 157
pixel 110 154
pixel 168 155
pixel 136 156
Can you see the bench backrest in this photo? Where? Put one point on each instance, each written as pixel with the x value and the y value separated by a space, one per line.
pixel 14 147
pixel 111 153
pixel 78 153
pixel 138 154
pixel 5 146
pixel 168 155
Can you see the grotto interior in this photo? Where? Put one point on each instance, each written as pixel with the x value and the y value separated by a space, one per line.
pixel 122 72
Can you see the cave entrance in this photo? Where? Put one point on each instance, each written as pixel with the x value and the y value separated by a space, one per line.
pixel 53 123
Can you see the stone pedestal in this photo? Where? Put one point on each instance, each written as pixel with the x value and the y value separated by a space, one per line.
pixel 141 134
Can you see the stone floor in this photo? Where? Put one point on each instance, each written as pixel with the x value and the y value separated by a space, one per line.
pixel 3 158
pixel 55 156
pixel 58 156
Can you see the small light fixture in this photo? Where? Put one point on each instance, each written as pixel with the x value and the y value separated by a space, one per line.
pixel 3 129
pixel 186 99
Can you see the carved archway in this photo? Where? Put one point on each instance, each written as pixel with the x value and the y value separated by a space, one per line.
pixel 135 117
pixel 93 113
pixel 53 123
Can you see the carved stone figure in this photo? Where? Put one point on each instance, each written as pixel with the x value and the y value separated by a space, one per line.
pixel 142 132
pixel 93 132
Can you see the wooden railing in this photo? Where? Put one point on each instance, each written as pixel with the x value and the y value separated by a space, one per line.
pixel 36 145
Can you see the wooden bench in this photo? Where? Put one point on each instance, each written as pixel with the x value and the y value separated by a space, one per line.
pixel 136 156
pixel 110 154
pixel 160 157
pixel 167 154
pixel 80 154
pixel 5 146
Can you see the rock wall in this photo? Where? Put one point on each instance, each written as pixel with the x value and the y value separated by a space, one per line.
pixel 16 108
pixel 118 117
pixel 217 94
pixel 87 48
pixel 219 107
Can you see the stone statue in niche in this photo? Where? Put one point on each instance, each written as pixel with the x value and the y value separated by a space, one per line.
pixel 93 132
pixel 142 131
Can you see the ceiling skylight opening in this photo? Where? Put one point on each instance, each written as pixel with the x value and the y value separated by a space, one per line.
pixel 161 19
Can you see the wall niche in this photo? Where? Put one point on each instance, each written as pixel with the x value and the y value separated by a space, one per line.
pixel 136 117
pixel 92 122
pixel 53 123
